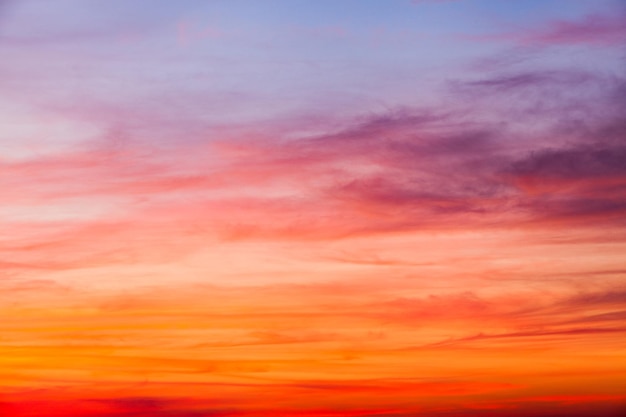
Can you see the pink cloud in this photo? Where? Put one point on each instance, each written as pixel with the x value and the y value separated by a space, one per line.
pixel 594 29
pixel 591 30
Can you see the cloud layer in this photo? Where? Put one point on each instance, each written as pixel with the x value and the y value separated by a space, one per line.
pixel 303 223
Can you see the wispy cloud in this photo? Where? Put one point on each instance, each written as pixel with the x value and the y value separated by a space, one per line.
pixel 595 29
pixel 182 237
pixel 401 171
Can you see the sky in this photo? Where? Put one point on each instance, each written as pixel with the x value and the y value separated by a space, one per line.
pixel 318 208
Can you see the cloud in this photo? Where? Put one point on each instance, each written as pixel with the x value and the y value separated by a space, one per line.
pixel 586 405
pixel 593 30
pixel 616 297
pixel 118 407
pixel 411 241
pixel 540 148
pixel 576 163
pixel 521 82
pixel 141 406
pixel 566 335
pixel 584 182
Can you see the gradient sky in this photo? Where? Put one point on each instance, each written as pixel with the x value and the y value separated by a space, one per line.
pixel 323 208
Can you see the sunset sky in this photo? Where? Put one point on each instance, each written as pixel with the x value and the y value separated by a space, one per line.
pixel 318 208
